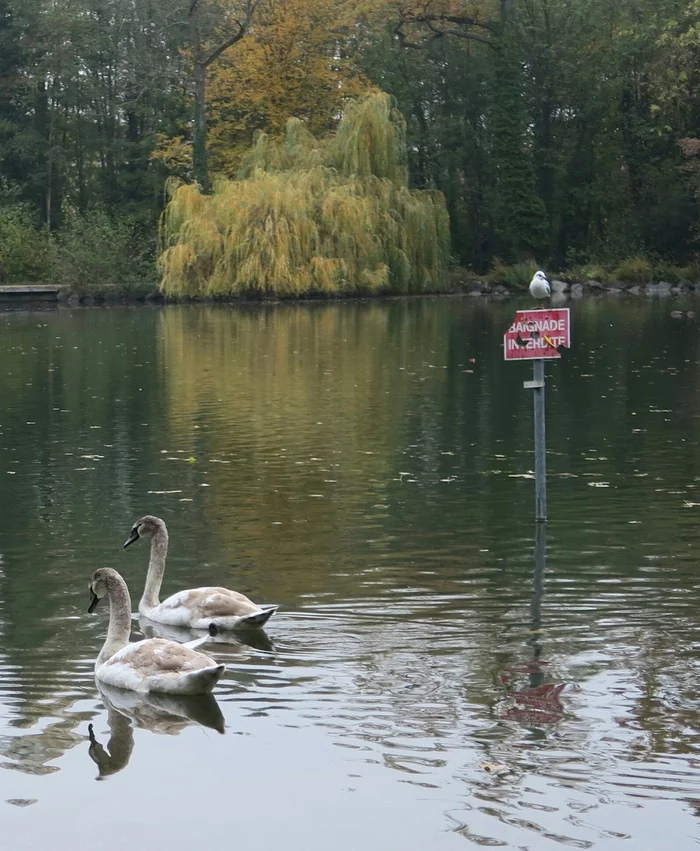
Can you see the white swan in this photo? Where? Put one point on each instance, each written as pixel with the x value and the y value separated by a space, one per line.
pixel 154 664
pixel 198 608
pixel 539 286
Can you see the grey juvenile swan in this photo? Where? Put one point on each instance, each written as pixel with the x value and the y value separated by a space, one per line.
pixel 154 664
pixel 198 608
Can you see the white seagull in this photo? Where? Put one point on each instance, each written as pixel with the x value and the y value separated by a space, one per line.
pixel 539 286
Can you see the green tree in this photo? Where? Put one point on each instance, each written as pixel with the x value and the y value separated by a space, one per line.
pixel 307 215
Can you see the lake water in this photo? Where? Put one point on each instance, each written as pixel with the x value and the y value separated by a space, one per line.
pixel 368 468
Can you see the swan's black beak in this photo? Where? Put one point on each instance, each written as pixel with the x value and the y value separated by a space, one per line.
pixel 133 537
pixel 94 600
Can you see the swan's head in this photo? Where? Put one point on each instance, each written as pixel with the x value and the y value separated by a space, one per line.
pixel 97 587
pixel 146 527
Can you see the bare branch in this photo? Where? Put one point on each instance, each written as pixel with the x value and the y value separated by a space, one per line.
pixel 465 28
pixel 472 36
pixel 403 39
pixel 214 55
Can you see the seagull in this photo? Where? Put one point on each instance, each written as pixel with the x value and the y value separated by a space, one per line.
pixel 539 286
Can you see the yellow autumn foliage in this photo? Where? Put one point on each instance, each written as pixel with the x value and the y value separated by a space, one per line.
pixel 311 216
pixel 298 61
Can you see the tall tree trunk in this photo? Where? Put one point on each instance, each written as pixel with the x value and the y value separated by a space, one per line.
pixel 199 142
pixel 201 62
pixel 49 164
pixel 199 147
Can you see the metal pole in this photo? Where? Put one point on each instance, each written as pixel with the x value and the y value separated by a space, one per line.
pixel 540 460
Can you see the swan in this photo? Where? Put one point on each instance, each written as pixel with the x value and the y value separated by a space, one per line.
pixel 154 664
pixel 198 608
pixel 539 286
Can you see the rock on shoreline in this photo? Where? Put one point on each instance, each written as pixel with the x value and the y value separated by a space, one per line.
pixel 563 290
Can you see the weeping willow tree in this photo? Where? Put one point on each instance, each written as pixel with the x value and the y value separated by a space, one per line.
pixel 305 216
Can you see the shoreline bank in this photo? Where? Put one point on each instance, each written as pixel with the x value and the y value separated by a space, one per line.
pixel 562 292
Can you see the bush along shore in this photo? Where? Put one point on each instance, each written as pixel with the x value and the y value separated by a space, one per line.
pixel 634 277
pixel 460 285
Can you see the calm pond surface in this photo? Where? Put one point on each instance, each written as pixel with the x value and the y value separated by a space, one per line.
pixel 367 467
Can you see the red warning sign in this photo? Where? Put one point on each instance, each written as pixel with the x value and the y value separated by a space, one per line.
pixel 537 334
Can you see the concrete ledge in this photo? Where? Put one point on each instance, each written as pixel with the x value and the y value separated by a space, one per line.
pixel 30 291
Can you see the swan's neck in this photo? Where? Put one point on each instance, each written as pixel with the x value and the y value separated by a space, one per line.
pixel 119 630
pixel 156 568
pixel 121 743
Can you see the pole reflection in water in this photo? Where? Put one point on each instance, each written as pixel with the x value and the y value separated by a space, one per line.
pixel 159 713
pixel 540 702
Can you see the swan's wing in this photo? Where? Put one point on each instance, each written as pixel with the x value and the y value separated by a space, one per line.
pixel 203 603
pixel 159 656
pixel 197 642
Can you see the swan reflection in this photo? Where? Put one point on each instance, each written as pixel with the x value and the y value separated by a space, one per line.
pixel 235 643
pixel 166 714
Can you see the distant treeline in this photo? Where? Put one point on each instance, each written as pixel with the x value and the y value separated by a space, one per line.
pixel 562 133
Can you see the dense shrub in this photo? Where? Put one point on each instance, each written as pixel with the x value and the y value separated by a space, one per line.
pixel 96 251
pixel 514 277
pixel 635 270
pixel 24 249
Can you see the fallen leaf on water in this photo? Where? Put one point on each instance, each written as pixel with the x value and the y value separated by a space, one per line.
pixel 191 459
pixel 495 767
